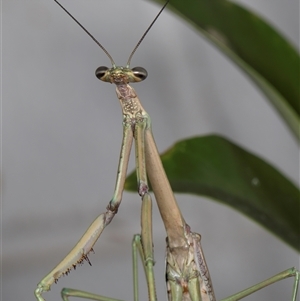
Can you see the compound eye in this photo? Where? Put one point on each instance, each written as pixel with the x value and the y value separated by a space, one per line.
pixel 140 72
pixel 100 72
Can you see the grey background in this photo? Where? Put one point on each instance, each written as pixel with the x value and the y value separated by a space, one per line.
pixel 62 133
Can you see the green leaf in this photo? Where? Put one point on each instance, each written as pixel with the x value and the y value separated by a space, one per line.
pixel 215 167
pixel 258 49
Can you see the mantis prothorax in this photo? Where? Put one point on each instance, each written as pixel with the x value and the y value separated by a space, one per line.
pixel 187 275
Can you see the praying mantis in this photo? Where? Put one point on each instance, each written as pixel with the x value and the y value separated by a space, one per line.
pixel 187 274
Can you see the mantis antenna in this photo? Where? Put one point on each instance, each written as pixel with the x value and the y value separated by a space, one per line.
pixel 102 47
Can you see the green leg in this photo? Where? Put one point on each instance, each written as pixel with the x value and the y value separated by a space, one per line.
pixel 296 284
pixel 69 292
pixel 285 274
pixel 145 243
pixel 136 247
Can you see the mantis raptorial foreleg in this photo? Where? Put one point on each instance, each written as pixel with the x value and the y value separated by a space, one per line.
pixel 80 252
pixel 86 243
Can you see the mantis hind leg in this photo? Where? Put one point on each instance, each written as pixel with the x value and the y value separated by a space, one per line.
pixel 283 275
pixel 81 250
